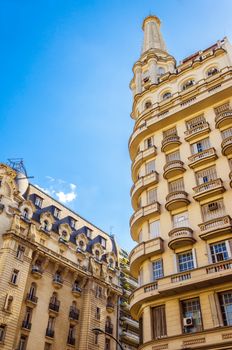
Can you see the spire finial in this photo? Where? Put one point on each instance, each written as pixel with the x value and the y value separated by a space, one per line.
pixel 152 36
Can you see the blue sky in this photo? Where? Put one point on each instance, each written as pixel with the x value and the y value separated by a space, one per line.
pixel 65 103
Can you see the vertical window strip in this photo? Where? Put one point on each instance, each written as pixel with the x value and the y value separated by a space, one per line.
pixel 152 196
pixel 177 185
pixel 206 175
pixel 226 133
pixel 154 229
pixel 170 132
pixel 173 156
pixel 159 322
pixel 200 146
pixel 209 213
pixel 195 122
pixel 223 108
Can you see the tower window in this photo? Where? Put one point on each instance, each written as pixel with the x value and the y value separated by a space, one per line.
pixel 98 313
pixel 2 332
pixel 14 276
pixel 20 252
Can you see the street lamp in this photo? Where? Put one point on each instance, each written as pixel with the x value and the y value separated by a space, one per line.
pixel 98 330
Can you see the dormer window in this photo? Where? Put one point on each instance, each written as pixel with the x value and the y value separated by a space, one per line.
pixel 56 213
pixel 103 242
pixel 45 225
pixel 212 71
pixel 89 233
pixel 64 234
pixel 81 245
pixel 161 71
pixel 111 263
pixel 148 104
pixel 166 95
pixel 26 213
pixel 72 223
pixel 188 84
pixel 97 254
pixel 38 201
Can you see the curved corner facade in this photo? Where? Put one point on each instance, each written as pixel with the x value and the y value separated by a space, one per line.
pixel 181 153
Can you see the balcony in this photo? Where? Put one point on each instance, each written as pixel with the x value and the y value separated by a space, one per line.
pixel 73 314
pixel 140 185
pixel 71 341
pixel 173 168
pixel 125 306
pixel 128 280
pixel 227 146
pixel 54 306
pixel 180 237
pixel 76 291
pixel 109 328
pixel 36 271
pixel 110 307
pixel 176 200
pixel 130 337
pixel 208 189
pixel 142 214
pixel 199 130
pixel 215 227
pixel 202 158
pixel 143 251
pixel 57 281
pixel 223 119
pixel 49 333
pixel 202 277
pixel 129 322
pixel 170 142
pixel 31 299
pixel 26 325
pixel 140 158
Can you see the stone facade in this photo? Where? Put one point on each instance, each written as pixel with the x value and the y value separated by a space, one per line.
pixel 59 274
pixel 181 152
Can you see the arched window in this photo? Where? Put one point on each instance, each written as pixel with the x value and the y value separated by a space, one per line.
pixel 166 95
pixel 45 225
pixel 212 71
pixel 8 303
pixel 76 287
pixel 187 84
pixel 58 277
pixel 148 104
pixel 54 298
pixel 32 291
pixel 26 213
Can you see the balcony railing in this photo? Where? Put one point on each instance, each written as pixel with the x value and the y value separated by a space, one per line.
pixel 145 212
pixel 142 156
pixel 26 325
pixel 130 322
pixel 199 129
pixel 31 298
pixel 180 237
pixel 200 277
pixel 132 337
pixel 223 119
pixel 173 168
pixel 216 227
pixel 37 271
pixel 206 189
pixel 227 146
pixel 50 333
pixel 142 183
pixel 71 340
pixel 170 142
pixel 176 200
pixel 202 157
pixel 76 290
pixel 74 314
pixel 54 306
pixel 109 329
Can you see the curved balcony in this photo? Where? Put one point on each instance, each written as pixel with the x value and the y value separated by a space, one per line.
pixel 129 322
pixel 203 157
pixel 176 200
pixel 142 214
pixel 223 119
pixel 199 130
pixel 173 168
pixel 31 299
pixel 227 146
pixel 110 307
pixel 76 291
pixel 57 282
pixel 170 142
pixel 180 237
pixel 36 271
pixel 140 158
pixel 130 337
pixel 144 251
pixel 140 185
pixel 215 227
pixel 208 189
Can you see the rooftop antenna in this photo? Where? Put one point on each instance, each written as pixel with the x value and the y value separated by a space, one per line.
pixel 18 165
pixel 111 229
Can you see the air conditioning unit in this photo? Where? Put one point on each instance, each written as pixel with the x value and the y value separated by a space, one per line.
pixel 188 321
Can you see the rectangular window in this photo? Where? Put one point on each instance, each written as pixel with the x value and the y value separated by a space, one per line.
pixel 191 312
pixel 47 346
pixel 195 122
pixel 56 213
pixel 96 338
pixel 154 229
pixel 140 236
pixel 159 322
pixel 148 143
pixel 170 132
pixel 98 313
pixel 213 210
pixel 157 269
pixel 14 276
pixel 219 252
pixel 51 323
pixel 200 146
pixel 103 242
pixel 38 201
pixel 185 261
pixel 140 279
pixel 150 167
pixel 2 332
pixel 225 300
pixel 22 343
pixel 107 344
pixel 89 233
pixel 173 156
pixel 152 196
pixel 20 252
pixel 177 185
pixel 72 223
pixel 98 292
pixel 180 220
pixel 226 133
pixel 206 175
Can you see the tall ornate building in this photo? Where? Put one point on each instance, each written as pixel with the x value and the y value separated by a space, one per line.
pixel 59 274
pixel 181 151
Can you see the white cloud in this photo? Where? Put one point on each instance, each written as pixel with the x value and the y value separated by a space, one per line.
pixel 66 197
pixel 64 191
